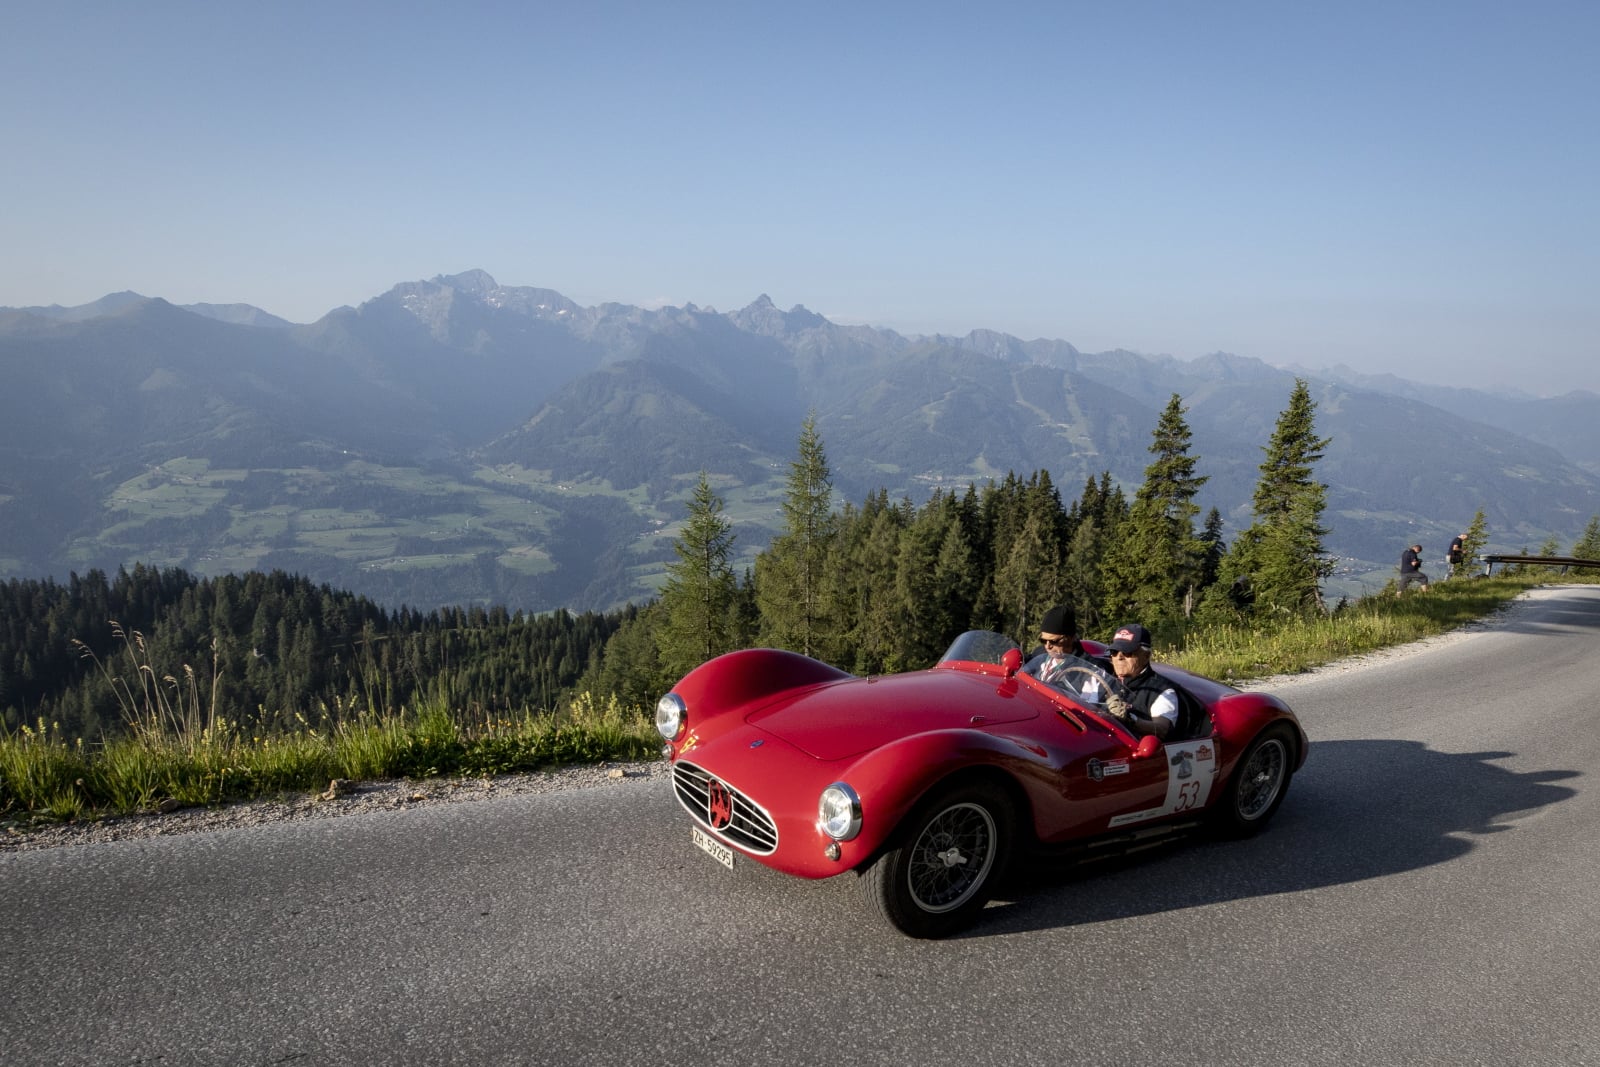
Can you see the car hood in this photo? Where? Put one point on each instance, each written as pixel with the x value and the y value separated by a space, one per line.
pixel 844 719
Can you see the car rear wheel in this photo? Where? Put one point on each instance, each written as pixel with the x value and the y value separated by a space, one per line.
pixel 1258 784
pixel 948 856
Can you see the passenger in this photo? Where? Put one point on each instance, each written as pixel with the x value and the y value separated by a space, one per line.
pixel 1058 633
pixel 1155 705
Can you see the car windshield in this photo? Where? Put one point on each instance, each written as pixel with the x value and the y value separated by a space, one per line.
pixel 1085 681
pixel 978 646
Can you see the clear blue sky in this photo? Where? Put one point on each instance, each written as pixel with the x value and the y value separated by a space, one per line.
pixel 1396 187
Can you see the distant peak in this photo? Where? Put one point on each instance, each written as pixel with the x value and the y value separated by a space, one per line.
pixel 762 316
pixel 472 281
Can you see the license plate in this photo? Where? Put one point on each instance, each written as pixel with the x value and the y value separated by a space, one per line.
pixel 712 847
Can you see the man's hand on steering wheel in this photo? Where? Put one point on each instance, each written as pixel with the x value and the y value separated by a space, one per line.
pixel 1117 706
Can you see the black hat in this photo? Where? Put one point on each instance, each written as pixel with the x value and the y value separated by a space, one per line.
pixel 1059 620
pixel 1130 638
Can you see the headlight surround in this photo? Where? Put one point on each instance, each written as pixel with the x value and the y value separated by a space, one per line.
pixel 839 812
pixel 671 714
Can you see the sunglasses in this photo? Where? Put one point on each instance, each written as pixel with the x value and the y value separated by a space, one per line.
pixel 1053 642
pixel 1122 655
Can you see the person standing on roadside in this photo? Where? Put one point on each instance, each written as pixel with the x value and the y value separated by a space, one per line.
pixel 1411 569
pixel 1457 554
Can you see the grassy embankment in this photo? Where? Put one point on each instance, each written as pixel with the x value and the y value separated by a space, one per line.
pixel 1382 620
pixel 178 754
pixel 181 753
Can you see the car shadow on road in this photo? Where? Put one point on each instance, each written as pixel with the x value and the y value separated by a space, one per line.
pixel 1358 810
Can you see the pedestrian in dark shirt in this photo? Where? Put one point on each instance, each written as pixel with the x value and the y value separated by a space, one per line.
pixel 1411 569
pixel 1457 555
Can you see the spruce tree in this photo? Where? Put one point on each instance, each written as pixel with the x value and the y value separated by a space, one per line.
pixel 1153 568
pixel 1281 556
pixel 1587 546
pixel 1096 521
pixel 789 575
pixel 1028 552
pixel 697 600
pixel 1212 549
pixel 630 668
pixel 1473 544
pixel 924 597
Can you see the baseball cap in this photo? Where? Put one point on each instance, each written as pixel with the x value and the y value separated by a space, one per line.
pixel 1130 638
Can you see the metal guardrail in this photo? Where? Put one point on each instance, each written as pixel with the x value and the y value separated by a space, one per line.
pixel 1540 561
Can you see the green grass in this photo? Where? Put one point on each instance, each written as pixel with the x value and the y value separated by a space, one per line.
pixel 169 762
pixel 179 750
pixel 1237 654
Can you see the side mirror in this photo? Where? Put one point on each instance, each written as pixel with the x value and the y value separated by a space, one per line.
pixel 1147 746
pixel 1012 662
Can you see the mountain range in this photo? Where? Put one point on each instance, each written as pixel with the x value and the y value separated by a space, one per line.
pixel 457 441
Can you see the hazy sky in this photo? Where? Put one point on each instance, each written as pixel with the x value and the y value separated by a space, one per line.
pixel 1405 187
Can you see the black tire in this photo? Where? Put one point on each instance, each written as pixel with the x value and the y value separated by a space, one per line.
pixel 1259 783
pixel 944 861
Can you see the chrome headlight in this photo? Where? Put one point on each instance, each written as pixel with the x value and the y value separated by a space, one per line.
pixel 670 714
pixel 839 812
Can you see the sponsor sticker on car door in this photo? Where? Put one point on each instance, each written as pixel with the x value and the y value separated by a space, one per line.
pixel 1191 771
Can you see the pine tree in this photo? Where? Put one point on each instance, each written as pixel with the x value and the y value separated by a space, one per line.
pixel 1551 547
pixel 1473 543
pixel 1028 553
pixel 937 580
pixel 1095 520
pixel 697 601
pixel 1281 556
pixel 630 668
pixel 1213 549
pixel 789 575
pixel 859 595
pixel 1587 546
pixel 1153 569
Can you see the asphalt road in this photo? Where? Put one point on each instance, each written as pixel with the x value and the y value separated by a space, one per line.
pixel 1426 895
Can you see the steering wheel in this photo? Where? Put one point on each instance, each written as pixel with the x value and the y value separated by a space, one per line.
pixel 1114 705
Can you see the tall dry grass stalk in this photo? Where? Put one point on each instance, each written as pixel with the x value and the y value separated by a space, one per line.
pixel 160 707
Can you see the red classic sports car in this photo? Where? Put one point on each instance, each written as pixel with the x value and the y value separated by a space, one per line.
pixel 928 783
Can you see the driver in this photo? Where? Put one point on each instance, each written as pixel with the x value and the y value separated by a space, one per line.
pixel 1058 633
pixel 1155 707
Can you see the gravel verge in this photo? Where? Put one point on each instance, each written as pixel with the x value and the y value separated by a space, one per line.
pixel 340 799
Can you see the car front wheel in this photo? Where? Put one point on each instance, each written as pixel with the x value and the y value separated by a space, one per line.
pixel 949 854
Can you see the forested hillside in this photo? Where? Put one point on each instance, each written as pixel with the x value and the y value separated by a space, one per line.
pixel 267 649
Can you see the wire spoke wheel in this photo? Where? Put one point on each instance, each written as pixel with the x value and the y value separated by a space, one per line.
pixel 1258 784
pixel 1261 778
pixel 936 876
pixel 951 858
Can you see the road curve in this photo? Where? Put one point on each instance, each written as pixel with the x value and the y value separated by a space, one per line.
pixel 1425 896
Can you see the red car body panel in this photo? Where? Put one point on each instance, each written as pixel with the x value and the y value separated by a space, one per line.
pixel 779 728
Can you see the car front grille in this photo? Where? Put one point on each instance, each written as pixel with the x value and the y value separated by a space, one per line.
pixel 723 810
